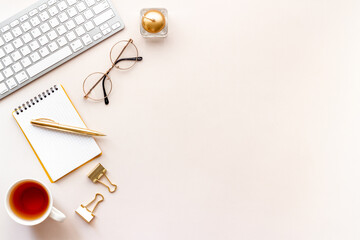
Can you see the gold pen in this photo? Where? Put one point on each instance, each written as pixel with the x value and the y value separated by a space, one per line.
pixel 51 124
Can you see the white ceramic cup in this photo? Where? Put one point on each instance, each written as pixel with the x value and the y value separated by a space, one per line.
pixel 51 211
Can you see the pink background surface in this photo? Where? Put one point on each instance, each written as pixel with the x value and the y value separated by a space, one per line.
pixel 242 124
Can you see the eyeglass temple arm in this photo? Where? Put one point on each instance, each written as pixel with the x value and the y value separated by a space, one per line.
pixel 106 99
pixel 127 44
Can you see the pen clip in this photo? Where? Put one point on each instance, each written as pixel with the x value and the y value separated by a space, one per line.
pixel 45 120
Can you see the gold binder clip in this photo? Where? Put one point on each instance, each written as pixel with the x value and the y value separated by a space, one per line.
pixel 86 213
pixel 97 173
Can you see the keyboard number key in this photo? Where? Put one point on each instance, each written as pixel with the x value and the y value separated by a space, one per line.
pixel 35 21
pixel 26 26
pixel 53 11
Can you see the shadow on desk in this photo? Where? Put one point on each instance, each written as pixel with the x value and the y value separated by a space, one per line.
pixel 51 229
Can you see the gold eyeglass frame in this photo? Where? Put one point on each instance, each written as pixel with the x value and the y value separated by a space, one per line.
pixel 113 64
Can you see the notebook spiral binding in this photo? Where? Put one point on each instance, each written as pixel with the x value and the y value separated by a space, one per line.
pixel 23 107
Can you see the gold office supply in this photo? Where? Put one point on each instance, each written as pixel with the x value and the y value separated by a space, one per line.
pixel 97 173
pixel 51 124
pixel 86 213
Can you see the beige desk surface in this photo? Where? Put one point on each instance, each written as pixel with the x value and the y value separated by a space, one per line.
pixel 242 124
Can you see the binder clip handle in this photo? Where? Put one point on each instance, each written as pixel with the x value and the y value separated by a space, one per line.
pixel 102 199
pixel 108 187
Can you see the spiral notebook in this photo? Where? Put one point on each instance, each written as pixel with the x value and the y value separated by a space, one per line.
pixel 59 153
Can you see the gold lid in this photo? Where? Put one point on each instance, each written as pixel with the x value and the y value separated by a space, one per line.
pixel 153 21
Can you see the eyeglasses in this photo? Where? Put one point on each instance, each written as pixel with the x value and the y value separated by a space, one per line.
pixel 123 56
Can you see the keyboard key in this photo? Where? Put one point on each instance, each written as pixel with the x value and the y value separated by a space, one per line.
pixel 2 53
pixel 97 36
pixel 53 46
pixel 106 31
pixel 1 66
pixel 80 31
pixel 89 25
pixel 104 26
pixel 42 7
pixel 70 36
pixel 116 25
pixel 1 42
pixel 34 45
pixel 45 27
pixel 25 50
pixel 9 48
pixel 52 35
pixel 51 2
pixel 44 16
pixel 17 43
pixel 8 72
pixel 11 83
pixel 76 45
pixel 62 6
pixel 86 39
pixel 8 37
pixel 25 62
pixel 54 22
pixel 7 61
pixel 17 67
pixel 33 12
pixel 104 17
pixel 3 88
pixel 88 14
pixel 53 11
pixel 26 26
pixel 90 2
pixel 71 2
pixel 101 7
pixel 61 30
pixel 49 61
pixel 63 17
pixel 24 17
pixel 61 41
pixel 14 23
pixel 26 38
pixel 35 56
pixel 43 40
pixel 44 52
pixel 35 21
pixel 35 32
pixel 16 56
pixel 72 12
pixel 21 77
pixel 1 77
pixel 70 24
pixel 80 6
pixel 5 28
pixel 79 19
pixel 17 31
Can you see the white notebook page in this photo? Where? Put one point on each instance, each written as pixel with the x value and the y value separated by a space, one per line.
pixel 59 152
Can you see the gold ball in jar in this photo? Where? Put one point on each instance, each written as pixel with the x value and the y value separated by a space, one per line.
pixel 153 21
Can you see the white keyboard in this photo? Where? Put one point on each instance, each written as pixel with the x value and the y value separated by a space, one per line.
pixel 49 33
